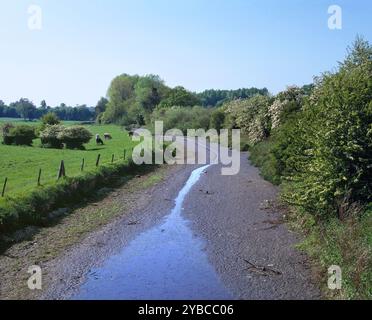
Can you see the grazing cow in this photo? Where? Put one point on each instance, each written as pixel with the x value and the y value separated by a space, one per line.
pixel 99 140
pixel 107 136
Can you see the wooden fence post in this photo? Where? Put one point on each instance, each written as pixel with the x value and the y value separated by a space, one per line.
pixel 82 164
pixel 4 186
pixel 98 158
pixel 125 153
pixel 113 158
pixel 39 178
pixel 61 171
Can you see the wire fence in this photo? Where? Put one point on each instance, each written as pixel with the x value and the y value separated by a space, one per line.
pixel 61 172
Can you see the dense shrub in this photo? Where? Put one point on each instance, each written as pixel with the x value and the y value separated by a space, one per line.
pixel 50 119
pixel 262 156
pixel 321 145
pixel 21 135
pixel 217 119
pixel 75 137
pixel 286 104
pixel 275 111
pixel 251 116
pixel 8 140
pixel 181 97
pixel 290 149
pixel 5 130
pixel 183 118
pixel 49 136
pixel 336 139
pixel 321 150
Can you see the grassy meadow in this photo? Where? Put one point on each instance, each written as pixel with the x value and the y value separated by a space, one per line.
pixel 21 164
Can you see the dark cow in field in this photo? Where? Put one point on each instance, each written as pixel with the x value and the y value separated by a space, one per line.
pixel 99 140
pixel 107 136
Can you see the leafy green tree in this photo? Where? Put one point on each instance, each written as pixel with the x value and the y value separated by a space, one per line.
pixel 131 96
pixel 101 106
pixel 43 104
pixel 121 95
pixel 77 113
pixel 140 120
pixel 217 119
pixel 149 91
pixel 50 119
pixel 2 108
pixel 25 108
pixel 183 118
pixel 180 97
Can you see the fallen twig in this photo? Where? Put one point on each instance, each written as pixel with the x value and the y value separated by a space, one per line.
pixel 274 222
pixel 264 271
pixel 269 228
pixel 133 223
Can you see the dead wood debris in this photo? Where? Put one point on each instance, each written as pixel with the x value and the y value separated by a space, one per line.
pixel 263 271
pixel 133 223
pixel 274 224
pixel 268 228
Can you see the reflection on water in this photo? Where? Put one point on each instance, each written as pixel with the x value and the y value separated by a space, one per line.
pixel 166 262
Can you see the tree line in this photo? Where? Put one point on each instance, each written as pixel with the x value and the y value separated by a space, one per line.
pixel 26 109
pixel 216 98
pixel 130 101
pixel 134 101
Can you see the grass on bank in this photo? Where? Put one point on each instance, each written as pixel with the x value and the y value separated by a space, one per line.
pixel 331 241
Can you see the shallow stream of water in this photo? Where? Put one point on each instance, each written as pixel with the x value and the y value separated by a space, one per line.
pixel 165 262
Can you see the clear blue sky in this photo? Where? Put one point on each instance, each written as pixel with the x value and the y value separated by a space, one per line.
pixel 199 44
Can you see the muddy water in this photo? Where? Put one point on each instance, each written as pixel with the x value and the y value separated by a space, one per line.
pixel 166 262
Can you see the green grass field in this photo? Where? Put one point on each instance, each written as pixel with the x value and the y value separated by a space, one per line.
pixel 21 164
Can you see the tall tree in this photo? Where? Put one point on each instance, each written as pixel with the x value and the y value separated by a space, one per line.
pixel 25 108
pixel 149 91
pixel 101 106
pixel 2 108
pixel 180 97
pixel 121 96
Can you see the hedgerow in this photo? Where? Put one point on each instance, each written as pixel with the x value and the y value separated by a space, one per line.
pixel 331 143
pixel 320 150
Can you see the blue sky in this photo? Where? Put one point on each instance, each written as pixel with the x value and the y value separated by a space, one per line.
pixel 200 44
